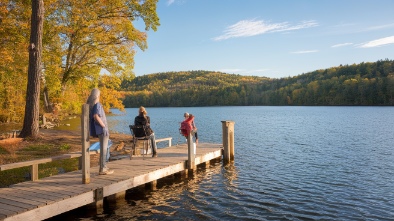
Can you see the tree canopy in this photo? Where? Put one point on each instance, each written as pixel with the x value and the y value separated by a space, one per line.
pixel 85 44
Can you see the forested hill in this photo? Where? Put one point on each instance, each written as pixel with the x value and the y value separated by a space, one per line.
pixel 357 84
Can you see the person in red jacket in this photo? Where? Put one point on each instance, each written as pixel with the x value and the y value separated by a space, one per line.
pixel 189 126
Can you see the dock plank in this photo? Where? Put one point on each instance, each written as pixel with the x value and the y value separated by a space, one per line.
pixel 28 196
pixel 50 196
pixel 4 213
pixel 18 198
pixel 11 208
pixel 16 203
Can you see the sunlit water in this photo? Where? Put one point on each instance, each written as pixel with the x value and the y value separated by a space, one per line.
pixel 291 163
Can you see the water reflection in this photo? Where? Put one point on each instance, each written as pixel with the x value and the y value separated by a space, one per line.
pixel 230 173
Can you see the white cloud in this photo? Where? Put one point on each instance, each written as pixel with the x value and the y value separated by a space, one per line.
pixel 247 28
pixel 378 42
pixel 170 2
pixel 246 72
pixel 242 71
pixel 387 26
pixel 304 52
pixel 341 45
pixel 229 70
pixel 346 25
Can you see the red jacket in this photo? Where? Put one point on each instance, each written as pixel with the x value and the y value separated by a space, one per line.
pixel 186 126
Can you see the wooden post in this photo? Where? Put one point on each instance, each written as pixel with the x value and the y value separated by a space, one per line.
pixel 190 153
pixel 112 199
pixel 151 185
pixel 85 144
pixel 34 172
pixel 184 174
pixel 98 203
pixel 44 120
pixel 228 140
pixel 206 164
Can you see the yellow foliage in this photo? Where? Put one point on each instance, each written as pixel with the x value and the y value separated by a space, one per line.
pixel 80 39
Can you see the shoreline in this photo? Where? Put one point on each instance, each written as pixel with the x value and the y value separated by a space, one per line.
pixel 11 149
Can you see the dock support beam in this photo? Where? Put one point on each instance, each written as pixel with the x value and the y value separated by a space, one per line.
pixel 151 185
pixel 228 141
pixel 112 199
pixel 98 204
pixel 85 158
pixel 206 164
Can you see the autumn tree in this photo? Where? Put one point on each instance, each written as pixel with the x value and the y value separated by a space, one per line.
pixel 109 91
pixel 14 39
pixel 31 120
pixel 95 36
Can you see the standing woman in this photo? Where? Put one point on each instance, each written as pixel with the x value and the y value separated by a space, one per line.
pixel 99 128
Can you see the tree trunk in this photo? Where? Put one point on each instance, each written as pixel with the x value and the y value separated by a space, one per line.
pixel 31 120
pixel 47 103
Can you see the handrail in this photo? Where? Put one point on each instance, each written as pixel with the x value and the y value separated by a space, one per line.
pixel 165 139
pixel 40 161
pixel 34 163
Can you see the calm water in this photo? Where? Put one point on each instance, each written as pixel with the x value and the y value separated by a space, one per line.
pixel 291 163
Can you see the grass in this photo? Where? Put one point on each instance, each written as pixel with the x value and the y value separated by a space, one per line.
pixel 13 176
pixel 18 175
pixel 45 150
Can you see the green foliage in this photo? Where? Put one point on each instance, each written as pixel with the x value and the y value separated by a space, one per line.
pixel 362 84
pixel 64 147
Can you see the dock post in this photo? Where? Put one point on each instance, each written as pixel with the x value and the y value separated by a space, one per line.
pixel 114 198
pixel 190 153
pixel 151 185
pixel 228 140
pixel 98 204
pixel 34 172
pixel 85 144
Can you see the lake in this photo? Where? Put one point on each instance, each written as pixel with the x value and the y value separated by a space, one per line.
pixel 291 163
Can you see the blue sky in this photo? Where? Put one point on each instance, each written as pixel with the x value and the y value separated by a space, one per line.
pixel 271 38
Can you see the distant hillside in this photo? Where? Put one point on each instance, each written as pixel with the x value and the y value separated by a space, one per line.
pixel 357 84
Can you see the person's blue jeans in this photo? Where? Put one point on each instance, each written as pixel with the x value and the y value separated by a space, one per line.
pixel 104 153
pixel 153 143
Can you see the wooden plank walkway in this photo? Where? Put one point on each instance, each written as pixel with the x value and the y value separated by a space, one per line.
pixel 48 197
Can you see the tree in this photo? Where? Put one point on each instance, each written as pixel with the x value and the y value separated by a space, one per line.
pixel 14 39
pixel 98 35
pixel 31 120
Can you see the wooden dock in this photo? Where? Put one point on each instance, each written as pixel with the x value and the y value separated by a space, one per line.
pixel 48 197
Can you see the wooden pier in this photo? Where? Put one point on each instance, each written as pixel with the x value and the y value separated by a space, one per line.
pixel 51 196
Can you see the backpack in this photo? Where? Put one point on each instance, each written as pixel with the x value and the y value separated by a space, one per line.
pixel 185 128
